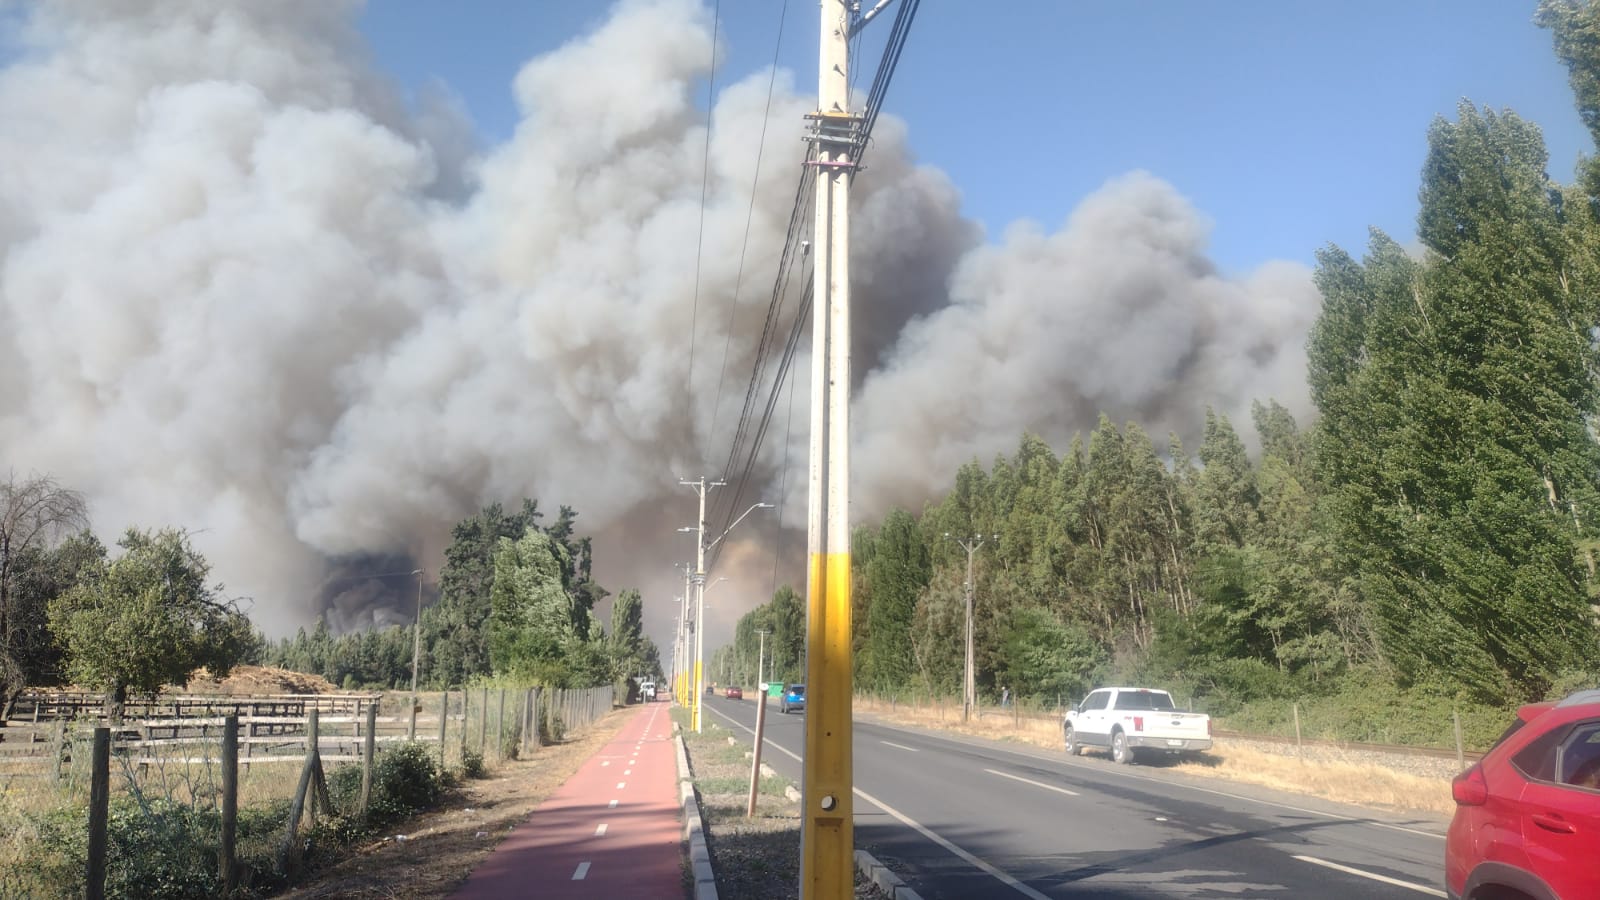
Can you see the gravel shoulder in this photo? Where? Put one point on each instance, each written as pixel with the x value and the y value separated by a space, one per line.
pixel 758 857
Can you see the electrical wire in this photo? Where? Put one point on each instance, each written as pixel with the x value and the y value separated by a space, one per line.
pixel 744 246
pixel 705 181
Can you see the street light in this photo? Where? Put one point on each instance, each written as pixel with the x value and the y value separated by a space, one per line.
pixel 969 694
pixel 700 600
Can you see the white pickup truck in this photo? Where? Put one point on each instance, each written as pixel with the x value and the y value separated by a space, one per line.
pixel 1126 720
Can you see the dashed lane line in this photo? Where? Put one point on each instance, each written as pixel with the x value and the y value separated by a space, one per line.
pixel 582 872
pixel 1037 784
pixel 901 747
pixel 1349 870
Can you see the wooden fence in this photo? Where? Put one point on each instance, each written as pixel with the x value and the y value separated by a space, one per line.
pixel 235 733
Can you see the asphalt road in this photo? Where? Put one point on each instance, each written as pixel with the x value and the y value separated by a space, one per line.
pixel 965 818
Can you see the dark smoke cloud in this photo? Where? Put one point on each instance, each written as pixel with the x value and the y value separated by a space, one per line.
pixel 245 288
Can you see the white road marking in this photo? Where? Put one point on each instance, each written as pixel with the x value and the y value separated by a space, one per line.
pixel 582 873
pixel 613 805
pixel 901 747
pixel 621 785
pixel 1037 784
pixel 1005 879
pixel 627 771
pixel 600 831
pixel 972 860
pixel 606 763
pixel 1419 888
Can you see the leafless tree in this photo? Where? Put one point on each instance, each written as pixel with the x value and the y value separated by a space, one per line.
pixel 36 513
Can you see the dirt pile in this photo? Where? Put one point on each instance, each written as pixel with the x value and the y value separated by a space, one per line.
pixel 258 680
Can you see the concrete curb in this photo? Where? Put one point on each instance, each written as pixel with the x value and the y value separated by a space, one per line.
pixel 887 881
pixel 705 881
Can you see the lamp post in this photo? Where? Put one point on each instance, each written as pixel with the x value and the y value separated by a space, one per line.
pixel 700 596
pixel 969 695
pixel 761 660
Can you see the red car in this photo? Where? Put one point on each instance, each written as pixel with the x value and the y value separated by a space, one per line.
pixel 1527 822
pixel 735 694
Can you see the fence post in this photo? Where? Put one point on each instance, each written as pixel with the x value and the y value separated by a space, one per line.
pixel 230 802
pixel 1299 748
pixel 1461 756
pixel 444 719
pixel 500 728
pixel 483 723
pixel 368 751
pixel 99 803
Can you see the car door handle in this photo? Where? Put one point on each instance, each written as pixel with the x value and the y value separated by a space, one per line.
pixel 1554 823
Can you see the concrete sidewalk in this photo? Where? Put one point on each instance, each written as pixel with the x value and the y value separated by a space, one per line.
pixel 615 829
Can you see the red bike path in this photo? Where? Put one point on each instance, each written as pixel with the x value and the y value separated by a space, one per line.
pixel 614 829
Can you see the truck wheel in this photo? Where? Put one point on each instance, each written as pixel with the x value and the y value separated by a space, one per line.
pixel 1120 751
pixel 1073 747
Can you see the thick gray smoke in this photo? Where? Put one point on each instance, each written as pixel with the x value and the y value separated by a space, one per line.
pixel 247 289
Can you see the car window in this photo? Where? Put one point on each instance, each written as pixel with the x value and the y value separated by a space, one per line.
pixel 1161 701
pixel 1096 700
pixel 797 689
pixel 1138 700
pixel 1580 757
pixel 1538 760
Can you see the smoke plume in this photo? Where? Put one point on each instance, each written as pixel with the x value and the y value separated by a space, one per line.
pixel 248 288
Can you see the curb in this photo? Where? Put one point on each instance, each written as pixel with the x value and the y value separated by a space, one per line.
pixel 705 881
pixel 887 881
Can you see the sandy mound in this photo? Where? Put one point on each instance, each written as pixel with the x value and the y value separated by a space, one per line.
pixel 259 680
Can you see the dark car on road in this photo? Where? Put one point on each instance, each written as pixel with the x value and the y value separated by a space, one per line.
pixel 794 697
pixel 1527 822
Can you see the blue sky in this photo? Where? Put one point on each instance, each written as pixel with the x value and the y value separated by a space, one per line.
pixel 1291 125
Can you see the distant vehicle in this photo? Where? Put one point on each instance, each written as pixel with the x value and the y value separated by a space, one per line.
pixel 793 697
pixel 1527 822
pixel 1127 720
pixel 647 691
pixel 711 690
pixel 734 693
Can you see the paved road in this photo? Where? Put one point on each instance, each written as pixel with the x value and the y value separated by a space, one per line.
pixel 614 829
pixel 972 819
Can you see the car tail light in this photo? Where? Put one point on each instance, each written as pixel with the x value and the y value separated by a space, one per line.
pixel 1138 723
pixel 1470 788
pixel 1208 727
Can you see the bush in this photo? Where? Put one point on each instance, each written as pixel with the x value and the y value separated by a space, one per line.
pixel 405 781
pixel 472 764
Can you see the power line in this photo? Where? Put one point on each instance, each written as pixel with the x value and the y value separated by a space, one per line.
pixel 744 246
pixel 705 180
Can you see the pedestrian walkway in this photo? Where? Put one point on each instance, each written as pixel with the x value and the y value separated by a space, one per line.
pixel 614 830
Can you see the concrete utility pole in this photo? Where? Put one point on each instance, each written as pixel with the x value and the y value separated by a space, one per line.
pixel 416 655
pixel 969 692
pixel 827 835
pixel 679 649
pixel 700 488
pixel 761 661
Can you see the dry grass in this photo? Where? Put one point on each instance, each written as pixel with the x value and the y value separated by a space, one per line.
pixel 1329 774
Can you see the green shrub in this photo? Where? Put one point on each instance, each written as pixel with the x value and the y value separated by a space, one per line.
pixel 405 781
pixel 472 764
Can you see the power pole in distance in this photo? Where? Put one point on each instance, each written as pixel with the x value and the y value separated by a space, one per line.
pixel 969 691
pixel 700 488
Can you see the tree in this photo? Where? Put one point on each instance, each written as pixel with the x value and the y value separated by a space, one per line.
pixel 531 620
pixel 35 513
pixel 148 618
pixel 1455 444
pixel 898 572
pixel 457 626
pixel 627 634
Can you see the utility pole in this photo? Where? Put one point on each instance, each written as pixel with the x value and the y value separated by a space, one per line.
pixel 679 654
pixel 761 660
pixel 969 693
pixel 827 835
pixel 699 579
pixel 416 655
